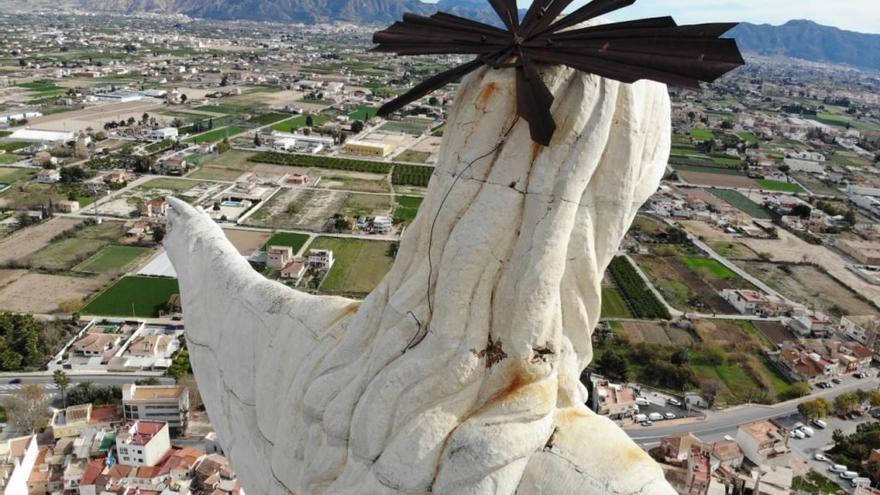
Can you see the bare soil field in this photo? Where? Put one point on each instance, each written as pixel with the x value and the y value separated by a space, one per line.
pixel 655 333
pixel 42 294
pixel 9 276
pixel 792 249
pixel 774 331
pixel 807 284
pixel 27 241
pixel 721 332
pixel 96 116
pixel 246 241
pixel 727 245
pixel 717 180
pixel 300 209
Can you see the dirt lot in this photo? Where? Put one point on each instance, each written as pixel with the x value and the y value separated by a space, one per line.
pixel 721 332
pixel 808 285
pixel 246 241
pixel 792 249
pixel 293 208
pixel 30 240
pixel 9 276
pixel 717 180
pixel 727 245
pixel 39 293
pixel 655 333
pixel 96 116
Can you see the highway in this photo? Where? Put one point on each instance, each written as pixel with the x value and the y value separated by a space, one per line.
pixel 10 383
pixel 718 424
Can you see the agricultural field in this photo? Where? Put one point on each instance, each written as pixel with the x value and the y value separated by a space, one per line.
pixel 749 137
pixel 640 300
pixel 354 181
pixel 656 333
pixel 295 241
pixel 360 264
pixel 30 292
pixel 65 253
pixel 7 158
pixel 691 283
pixel 299 209
pixel 216 135
pixel 412 175
pixel 135 296
pixel 733 250
pixel 772 185
pixel 407 208
pixel 292 124
pixel 613 304
pixel 246 241
pixel 742 203
pixel 114 259
pixel 274 158
pixel 10 175
pixel 268 118
pixel 363 113
pixel 357 205
pixel 411 125
pixel 702 134
pixel 226 108
pixel 413 156
pixel 225 167
pixel 809 285
pixel 23 243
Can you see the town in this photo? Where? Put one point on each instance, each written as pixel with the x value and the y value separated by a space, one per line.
pixel 740 324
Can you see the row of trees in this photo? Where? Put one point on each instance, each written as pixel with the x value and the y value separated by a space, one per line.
pixel 846 402
pixel 26 343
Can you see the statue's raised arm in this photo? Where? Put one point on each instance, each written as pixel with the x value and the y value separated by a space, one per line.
pixel 460 373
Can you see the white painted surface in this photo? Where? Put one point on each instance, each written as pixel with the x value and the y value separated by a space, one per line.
pixel 315 395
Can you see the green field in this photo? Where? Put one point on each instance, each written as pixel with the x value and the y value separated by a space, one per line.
pixel 40 86
pixel 702 134
pixel 295 241
pixel 708 169
pixel 6 159
pixel 227 108
pixel 113 259
pixel 749 137
pixel 64 254
pixel 772 185
pixel 842 121
pixel 295 123
pixel 315 101
pixel 143 297
pixel 216 135
pixel 708 266
pixel 613 304
pixel 9 175
pixel 175 185
pixel 13 146
pixel 268 118
pixel 407 207
pixel 363 112
pixel 360 264
pixel 412 126
pixel 741 202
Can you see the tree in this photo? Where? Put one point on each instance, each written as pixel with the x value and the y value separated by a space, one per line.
pixel 158 233
pixel 145 118
pixel 846 402
pixel 257 141
pixel 357 126
pixel 681 356
pixel 27 410
pixel 802 210
pixel 815 409
pixel 62 381
pixel 801 389
pixel 310 121
pixel 613 365
pixel 183 98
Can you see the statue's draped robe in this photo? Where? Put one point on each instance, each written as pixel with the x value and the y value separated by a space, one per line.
pixel 315 395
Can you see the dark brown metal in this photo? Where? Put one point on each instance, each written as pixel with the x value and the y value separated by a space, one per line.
pixel 656 49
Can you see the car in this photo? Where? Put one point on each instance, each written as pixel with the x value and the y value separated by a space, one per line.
pixel 860 481
pixel 858 413
pixel 798 434
pixel 875 414
pixel 850 415
pixel 640 418
pixel 836 380
pixel 808 431
pixel 818 423
pixel 15 381
pixel 669 415
pixel 842 416
pixel 820 457
pixel 838 468
pixel 641 401
pixel 849 475
pixel 647 422
pixel 673 402
pixel 655 416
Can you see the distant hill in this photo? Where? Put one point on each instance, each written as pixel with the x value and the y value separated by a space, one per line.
pixel 306 11
pixel 810 41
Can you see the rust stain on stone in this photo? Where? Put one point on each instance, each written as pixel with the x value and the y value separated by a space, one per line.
pixel 486 94
pixel 493 352
pixel 537 149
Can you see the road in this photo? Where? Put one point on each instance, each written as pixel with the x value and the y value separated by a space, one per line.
pixel 718 424
pixel 14 381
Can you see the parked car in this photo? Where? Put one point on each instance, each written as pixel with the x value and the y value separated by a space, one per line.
pixel 647 422
pixel 849 475
pixel 858 413
pixel 798 434
pixel 673 402
pixel 669 415
pixel 818 423
pixel 838 468
pixel 15 381
pixel 842 416
pixel 860 481
pixel 820 457
pixel 655 416
pixel 641 401
pixel 808 431
pixel 836 380
pixel 640 418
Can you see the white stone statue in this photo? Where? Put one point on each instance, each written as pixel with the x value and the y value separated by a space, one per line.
pixel 459 374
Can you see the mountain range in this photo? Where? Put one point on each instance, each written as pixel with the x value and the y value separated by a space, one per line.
pixel 797 39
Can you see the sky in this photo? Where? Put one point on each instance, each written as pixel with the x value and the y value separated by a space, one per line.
pixel 855 15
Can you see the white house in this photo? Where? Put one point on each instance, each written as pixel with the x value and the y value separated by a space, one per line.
pixel 762 440
pixel 143 443
pixel 162 134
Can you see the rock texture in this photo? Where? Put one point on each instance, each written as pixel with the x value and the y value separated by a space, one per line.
pixel 459 373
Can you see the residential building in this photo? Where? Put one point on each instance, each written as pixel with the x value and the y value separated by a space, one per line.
pixel 143 443
pixel 320 259
pixel 278 257
pixel 751 302
pixel 613 400
pixel 295 270
pixel 865 252
pixel 48 176
pixel 166 403
pixel 812 323
pixel 71 421
pixel 726 453
pixel 157 207
pixel 94 344
pixel 17 459
pixel 762 440
pixel 677 448
pixel 39 136
pixel 153 345
pixel 67 206
pixel 162 134
pixel 382 224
